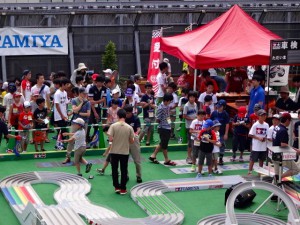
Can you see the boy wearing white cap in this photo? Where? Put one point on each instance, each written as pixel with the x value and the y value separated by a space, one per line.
pixel 79 145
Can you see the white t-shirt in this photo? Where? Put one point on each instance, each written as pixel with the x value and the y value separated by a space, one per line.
pixel 161 80
pixel 137 89
pixel 269 136
pixel 196 125
pixel 8 100
pixel 174 101
pixel 259 130
pixel 217 148
pixel 44 93
pixel 214 100
pixel 136 98
pixel 61 98
pixel 88 87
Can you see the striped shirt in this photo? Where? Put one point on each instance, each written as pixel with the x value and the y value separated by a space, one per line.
pixel 163 114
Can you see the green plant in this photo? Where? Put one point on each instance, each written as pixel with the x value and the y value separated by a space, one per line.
pixel 109 58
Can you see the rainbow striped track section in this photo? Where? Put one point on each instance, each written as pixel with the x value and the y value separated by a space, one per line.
pixel 72 200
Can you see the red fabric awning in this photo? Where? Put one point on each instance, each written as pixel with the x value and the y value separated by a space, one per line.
pixel 233 39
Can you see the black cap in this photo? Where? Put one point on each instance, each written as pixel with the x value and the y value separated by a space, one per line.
pixel 2 109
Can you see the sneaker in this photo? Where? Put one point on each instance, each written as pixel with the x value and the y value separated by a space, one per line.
pixel 202 172
pixel 123 192
pixel 67 160
pixel 79 174
pixel 24 151
pixel 139 180
pixel 117 190
pixel 215 171
pixel 100 171
pixel 88 167
pixel 210 175
pixel 199 175
pixel 188 160
pixel 241 159
pixel 232 159
pixel 219 171
pixel 193 168
pixel 249 172
pixel 221 162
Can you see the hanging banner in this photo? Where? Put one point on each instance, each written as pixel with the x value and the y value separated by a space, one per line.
pixel 153 68
pixel 187 29
pixel 279 74
pixel 33 41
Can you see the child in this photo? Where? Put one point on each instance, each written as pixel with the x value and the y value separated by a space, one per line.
pixel 112 112
pixel 182 101
pixel 164 127
pixel 106 153
pixel 33 104
pixel 241 125
pixel 222 116
pixel 115 95
pixel 258 133
pixel 276 122
pixel 190 111
pixel 25 123
pixel 40 115
pixel 129 100
pixel 79 146
pixel 195 128
pixel 209 91
pixel 216 150
pixel 15 110
pixel 253 117
pixel 296 133
pixel 148 105
pixel 207 138
pixel 207 106
pixel 172 87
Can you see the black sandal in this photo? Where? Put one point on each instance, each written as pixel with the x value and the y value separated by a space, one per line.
pixel 170 163
pixel 154 160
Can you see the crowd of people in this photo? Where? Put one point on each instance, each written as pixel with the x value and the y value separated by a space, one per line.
pixel 88 101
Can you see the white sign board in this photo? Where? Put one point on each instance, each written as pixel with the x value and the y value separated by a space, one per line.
pixel 33 41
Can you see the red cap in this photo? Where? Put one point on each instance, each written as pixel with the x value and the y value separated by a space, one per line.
pixel 94 76
pixel 287 116
pixel 17 94
pixel 242 111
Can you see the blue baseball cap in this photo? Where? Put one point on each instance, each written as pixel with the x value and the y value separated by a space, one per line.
pixel 221 102
pixel 216 123
pixel 128 92
pixel 208 123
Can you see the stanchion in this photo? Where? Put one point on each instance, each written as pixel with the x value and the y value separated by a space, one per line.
pixel 183 132
pixel 101 137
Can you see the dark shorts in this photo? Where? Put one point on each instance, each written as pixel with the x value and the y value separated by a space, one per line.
pixel 104 113
pixel 203 156
pixel 188 136
pixel 164 135
pixel 255 156
pixel 195 150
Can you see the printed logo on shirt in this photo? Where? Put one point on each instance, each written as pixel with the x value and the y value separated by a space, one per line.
pixel 261 131
pixel 191 111
pixel 198 126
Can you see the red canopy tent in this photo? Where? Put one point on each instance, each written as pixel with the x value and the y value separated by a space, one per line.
pixel 233 39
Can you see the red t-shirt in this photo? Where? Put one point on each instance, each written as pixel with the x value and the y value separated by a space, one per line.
pixel 212 134
pixel 14 117
pixel 203 86
pixel 235 81
pixel 25 119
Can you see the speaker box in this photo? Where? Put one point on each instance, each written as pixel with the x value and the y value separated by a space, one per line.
pixel 243 199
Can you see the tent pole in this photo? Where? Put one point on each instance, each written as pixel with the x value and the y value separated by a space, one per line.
pixel 195 79
pixel 268 85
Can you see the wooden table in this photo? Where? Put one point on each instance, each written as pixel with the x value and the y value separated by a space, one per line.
pixel 231 97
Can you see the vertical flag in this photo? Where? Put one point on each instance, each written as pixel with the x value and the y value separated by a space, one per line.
pixel 187 29
pixel 153 68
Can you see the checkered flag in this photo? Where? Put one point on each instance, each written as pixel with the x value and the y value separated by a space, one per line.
pixel 156 33
pixel 189 28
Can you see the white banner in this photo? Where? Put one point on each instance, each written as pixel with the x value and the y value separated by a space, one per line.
pixel 33 41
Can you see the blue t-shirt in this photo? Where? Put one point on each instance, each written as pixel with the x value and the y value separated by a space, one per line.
pixel 85 107
pixel 296 130
pixel 223 118
pixel 241 129
pixel 256 95
pixel 280 135
pixel 146 98
pixel 108 96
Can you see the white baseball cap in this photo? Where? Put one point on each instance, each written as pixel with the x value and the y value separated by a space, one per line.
pixel 27 104
pixel 108 71
pixel 79 121
pixel 115 91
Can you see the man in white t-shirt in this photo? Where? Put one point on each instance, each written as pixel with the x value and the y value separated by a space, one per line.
pixel 258 133
pixel 161 81
pixel 60 105
pixel 42 89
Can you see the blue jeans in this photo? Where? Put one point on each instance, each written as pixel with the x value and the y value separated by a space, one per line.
pixel 222 148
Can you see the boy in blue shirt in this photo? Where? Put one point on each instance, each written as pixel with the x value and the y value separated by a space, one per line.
pixel 222 116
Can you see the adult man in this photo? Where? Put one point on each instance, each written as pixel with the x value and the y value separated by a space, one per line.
pixel 257 95
pixel 285 103
pixel 97 97
pixel 81 109
pixel 3 126
pixel 161 81
pixel 281 138
pixel 60 104
pixel 134 149
pixel 26 85
pixel 121 135
pixel 42 89
pixel 236 80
